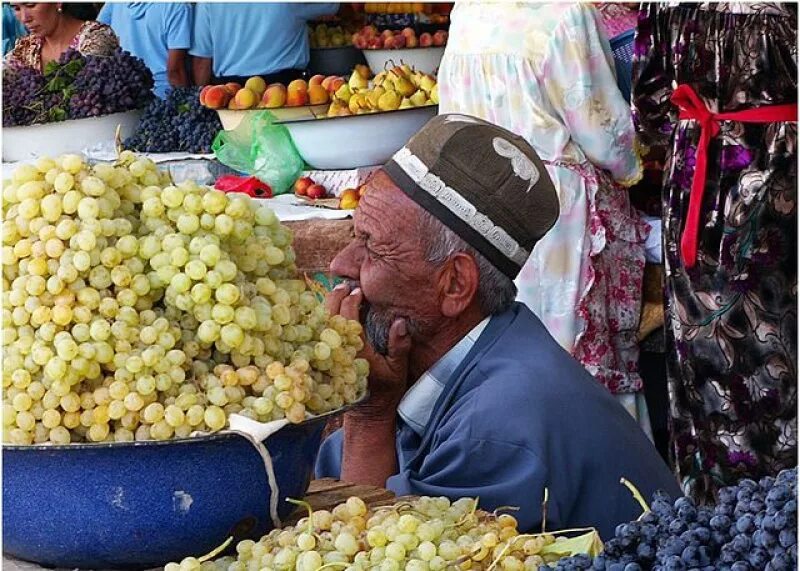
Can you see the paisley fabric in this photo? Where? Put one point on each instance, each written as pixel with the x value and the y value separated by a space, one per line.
pixel 94 38
pixel 545 72
pixel 732 319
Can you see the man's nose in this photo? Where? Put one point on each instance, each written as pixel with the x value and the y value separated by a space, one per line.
pixel 347 263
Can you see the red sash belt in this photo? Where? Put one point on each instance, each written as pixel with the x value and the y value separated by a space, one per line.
pixel 692 107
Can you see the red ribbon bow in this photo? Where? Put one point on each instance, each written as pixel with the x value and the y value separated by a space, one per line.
pixel 692 107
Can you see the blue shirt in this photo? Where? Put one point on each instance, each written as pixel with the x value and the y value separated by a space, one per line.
pixel 149 31
pixel 517 414
pixel 12 29
pixel 246 39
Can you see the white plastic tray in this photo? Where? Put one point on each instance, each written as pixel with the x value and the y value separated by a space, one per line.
pixel 425 60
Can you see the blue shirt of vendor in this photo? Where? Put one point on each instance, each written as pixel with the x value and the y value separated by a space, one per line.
pixel 498 420
pixel 256 38
pixel 149 30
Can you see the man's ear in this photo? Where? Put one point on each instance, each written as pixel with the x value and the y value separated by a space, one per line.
pixel 458 284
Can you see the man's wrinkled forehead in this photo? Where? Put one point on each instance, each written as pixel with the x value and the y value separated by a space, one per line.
pixel 384 205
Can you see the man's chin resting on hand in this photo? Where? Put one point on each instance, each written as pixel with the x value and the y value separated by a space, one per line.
pixel 469 394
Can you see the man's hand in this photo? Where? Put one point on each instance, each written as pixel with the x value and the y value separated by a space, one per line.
pixel 388 375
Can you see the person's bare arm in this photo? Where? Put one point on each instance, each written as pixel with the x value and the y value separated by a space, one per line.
pixel 177 74
pixel 201 70
pixel 369 453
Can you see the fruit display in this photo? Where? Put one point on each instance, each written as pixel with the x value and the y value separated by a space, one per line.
pixel 753 527
pixel 256 94
pixel 399 88
pixel 305 186
pixel 75 87
pixel 177 123
pixel 422 534
pixel 368 38
pixel 324 36
pixel 134 309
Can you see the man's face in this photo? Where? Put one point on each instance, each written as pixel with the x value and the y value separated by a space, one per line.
pixel 386 261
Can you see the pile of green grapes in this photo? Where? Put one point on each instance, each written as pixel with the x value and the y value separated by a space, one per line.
pixel 426 534
pixel 134 309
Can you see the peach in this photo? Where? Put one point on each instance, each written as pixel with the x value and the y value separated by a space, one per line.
pixel 387 34
pixel 412 42
pixel 425 40
pixel 232 88
pixel 408 33
pixel 316 191
pixel 257 85
pixel 335 84
pixel 440 38
pixel 246 98
pixel 369 31
pixel 317 95
pixel 301 185
pixel 348 200
pixel 316 80
pixel 217 97
pixel 203 94
pixel 363 70
pixel 297 94
pixel 274 96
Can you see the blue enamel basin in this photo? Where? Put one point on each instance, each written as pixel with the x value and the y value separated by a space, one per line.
pixel 143 504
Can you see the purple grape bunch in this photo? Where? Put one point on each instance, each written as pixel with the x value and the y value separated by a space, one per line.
pixel 753 527
pixel 178 123
pixel 74 87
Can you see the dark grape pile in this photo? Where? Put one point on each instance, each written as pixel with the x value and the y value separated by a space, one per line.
pixel 105 85
pixel 74 87
pixel 178 123
pixel 752 528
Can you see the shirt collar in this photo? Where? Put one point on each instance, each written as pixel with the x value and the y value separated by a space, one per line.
pixel 417 405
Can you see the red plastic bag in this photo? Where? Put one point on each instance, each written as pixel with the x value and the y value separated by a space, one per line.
pixel 249 185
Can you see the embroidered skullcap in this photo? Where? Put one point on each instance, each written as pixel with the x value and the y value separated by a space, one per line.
pixel 483 182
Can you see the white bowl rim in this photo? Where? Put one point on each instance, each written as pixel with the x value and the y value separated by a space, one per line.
pixel 370 114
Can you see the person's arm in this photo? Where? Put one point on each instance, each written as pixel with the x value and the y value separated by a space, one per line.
pixel 202 46
pixel 201 70
pixel 578 72
pixel 369 454
pixel 179 40
pixel 177 74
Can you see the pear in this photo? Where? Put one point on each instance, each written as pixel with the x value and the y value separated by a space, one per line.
pixel 406 103
pixel 374 96
pixel 418 99
pixel 389 101
pixel 344 93
pixel 427 83
pixel 404 87
pixel 435 94
pixel 357 81
pixel 388 83
pixel 407 69
pixel 357 102
pixel 379 79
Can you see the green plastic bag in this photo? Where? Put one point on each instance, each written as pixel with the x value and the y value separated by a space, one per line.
pixel 262 148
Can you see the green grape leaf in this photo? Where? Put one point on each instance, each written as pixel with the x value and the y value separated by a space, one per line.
pixel 57 114
pixel 588 543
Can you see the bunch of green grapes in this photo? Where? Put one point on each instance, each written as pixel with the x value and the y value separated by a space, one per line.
pixel 134 309
pixel 426 534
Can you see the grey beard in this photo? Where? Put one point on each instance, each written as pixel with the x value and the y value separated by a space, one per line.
pixel 376 329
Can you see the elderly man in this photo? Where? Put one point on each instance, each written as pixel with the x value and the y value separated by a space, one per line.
pixel 460 404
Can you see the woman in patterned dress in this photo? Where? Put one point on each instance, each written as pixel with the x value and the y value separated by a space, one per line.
pixel 730 234
pixel 54 28
pixel 545 72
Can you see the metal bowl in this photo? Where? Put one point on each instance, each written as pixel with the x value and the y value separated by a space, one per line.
pixel 143 504
pixel 73 136
pixel 425 60
pixel 231 119
pixel 339 143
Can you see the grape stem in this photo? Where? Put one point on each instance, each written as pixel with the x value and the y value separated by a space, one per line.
pixel 333 564
pixel 636 495
pixel 306 505
pixel 544 508
pixel 216 551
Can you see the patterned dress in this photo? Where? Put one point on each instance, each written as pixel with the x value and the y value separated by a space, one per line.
pixel 93 38
pixel 545 72
pixel 732 317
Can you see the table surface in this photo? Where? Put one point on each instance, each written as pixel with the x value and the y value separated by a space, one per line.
pixel 322 494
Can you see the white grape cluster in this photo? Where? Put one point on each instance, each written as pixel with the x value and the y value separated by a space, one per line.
pixel 426 534
pixel 134 309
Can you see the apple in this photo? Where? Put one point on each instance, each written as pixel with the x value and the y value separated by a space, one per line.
pixel 348 199
pixel 302 185
pixel 316 191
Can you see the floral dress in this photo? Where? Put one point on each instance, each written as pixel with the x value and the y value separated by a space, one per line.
pixel 93 38
pixel 545 72
pixel 731 309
